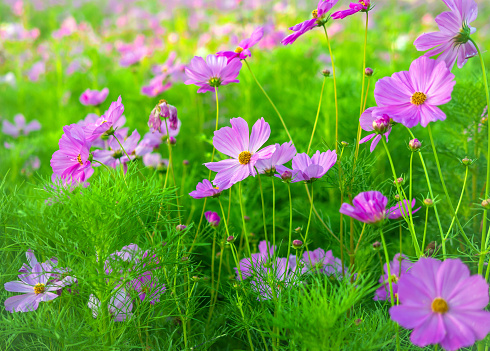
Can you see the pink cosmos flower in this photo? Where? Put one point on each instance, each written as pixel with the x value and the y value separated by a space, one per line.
pixel 213 218
pixel 399 266
pixel 130 58
pixel 206 189
pixel 19 126
pixel 401 210
pixel 244 150
pixel 452 40
pixel 93 97
pixel 367 207
pixel 248 265
pixel 36 71
pixel 120 305
pixel 156 86
pixel 411 97
pixel 310 169
pixel 111 119
pixel 443 304
pixel 283 153
pixel 319 19
pixel 212 73
pixel 32 164
pixel 155 161
pixel 242 51
pixel 116 156
pixel 362 5
pixel 371 119
pixel 147 285
pixel 71 160
pixel 322 262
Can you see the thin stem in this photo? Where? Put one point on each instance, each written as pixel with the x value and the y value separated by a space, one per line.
pixel 317 114
pixel 360 237
pixel 387 266
pixel 335 91
pixel 263 214
pixel 425 226
pixel 270 101
pixel 213 255
pixel 171 163
pixel 243 218
pixel 459 203
pixel 308 227
pixel 273 213
pixel 290 227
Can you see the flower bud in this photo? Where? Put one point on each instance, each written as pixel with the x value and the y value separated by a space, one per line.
pixel 368 71
pixel 358 321
pixel 344 143
pixel 185 259
pixel 486 204
pixel 298 229
pixel 180 227
pixel 246 218
pixel 230 239
pixel 172 140
pixel 213 218
pixel 397 197
pixel 428 202
pixel 398 181
pixel 196 278
pixel 466 161
pixel 326 72
pixel 185 162
pixel 286 176
pixel 297 244
pixel 414 144
pixel 376 245
pixel 381 124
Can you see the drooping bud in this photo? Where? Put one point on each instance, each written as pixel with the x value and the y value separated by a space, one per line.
pixel 414 145
pixel 297 230
pixel 326 72
pixel 381 124
pixel 368 71
pixel 297 244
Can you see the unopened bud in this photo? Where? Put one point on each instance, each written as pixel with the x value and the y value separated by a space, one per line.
pixel 376 245
pixel 397 197
pixel 326 72
pixel 398 181
pixel 486 204
pixel 428 202
pixel 286 176
pixel 298 229
pixel 185 162
pixel 297 244
pixel 172 140
pixel 196 278
pixel 414 144
pixel 381 124
pixel 184 259
pixel 368 71
pixel 246 218
pixel 466 161
pixel 344 143
pixel 180 227
pixel 230 239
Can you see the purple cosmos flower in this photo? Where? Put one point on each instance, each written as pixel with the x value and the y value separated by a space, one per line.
pixel 399 266
pixel 93 97
pixel 249 265
pixel 371 119
pixel 71 160
pixel 116 156
pixel 37 287
pixel 36 71
pixel 236 142
pixel 133 254
pixel 452 40
pixel 354 7
pixel 242 51
pixel 367 207
pixel 134 56
pixel 310 169
pixel 283 153
pixel 212 73
pixel 163 110
pixel 146 285
pixel 19 126
pixel 32 261
pixel 206 189
pixel 120 305
pixel 156 86
pixel 269 281
pixel 322 262
pixel 155 161
pixel 213 218
pixel 319 19
pixel 396 212
pixel 443 304
pixel 112 118
pixel 412 97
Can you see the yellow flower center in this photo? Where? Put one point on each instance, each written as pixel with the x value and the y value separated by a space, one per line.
pixel 418 98
pixel 238 49
pixel 215 82
pixel 244 157
pixel 362 3
pixel 39 288
pixel 439 305
pixel 394 278
pixel 314 13
pixel 79 159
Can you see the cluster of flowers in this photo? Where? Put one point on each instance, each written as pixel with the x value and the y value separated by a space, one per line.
pixel 73 163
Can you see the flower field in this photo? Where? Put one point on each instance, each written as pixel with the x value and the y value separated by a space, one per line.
pixel 244 175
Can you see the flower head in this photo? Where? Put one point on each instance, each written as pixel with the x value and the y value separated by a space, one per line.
pixel 318 19
pixel 310 169
pixel 93 97
pixel 163 110
pixel 206 189
pixel 401 209
pixel 147 285
pixel 443 304
pixel 399 266
pixel 412 97
pixel 120 305
pixel 372 120
pixel 283 153
pixel 322 262
pixel 242 50
pixel 354 7
pixel 242 147
pixel 109 121
pixel 452 41
pixel 19 126
pixel 213 218
pixel 249 265
pixel 367 207
pixel 212 73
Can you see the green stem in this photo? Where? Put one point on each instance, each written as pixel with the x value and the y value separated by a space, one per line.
pixel 290 227
pixel 243 219
pixel 270 101
pixel 317 114
pixel 387 266
pixel 273 213
pixel 425 226
pixel 335 92
pixel 308 227
pixel 459 203
pixel 263 213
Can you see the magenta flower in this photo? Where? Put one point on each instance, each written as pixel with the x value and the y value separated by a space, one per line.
pixel 371 119
pixel 206 189
pixel 412 97
pixel 236 142
pixel 396 212
pixel 453 39
pixel 163 110
pixel 120 305
pixel 362 5
pixel 147 286
pixel 443 304
pixel 249 265
pixel 310 169
pixel 108 122
pixel 155 161
pixel 71 161
pixel 156 86
pixel 367 207
pixel 93 97
pixel 36 286
pixel 242 51
pixel 283 153
pixel 212 73
pixel 32 261
pixel 399 266
pixel 319 19
pixel 134 56
pixel 213 218
pixel 116 156
pixel 322 262
pixel 19 126
pixel 271 279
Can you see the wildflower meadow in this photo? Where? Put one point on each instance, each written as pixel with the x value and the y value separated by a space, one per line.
pixel 244 175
